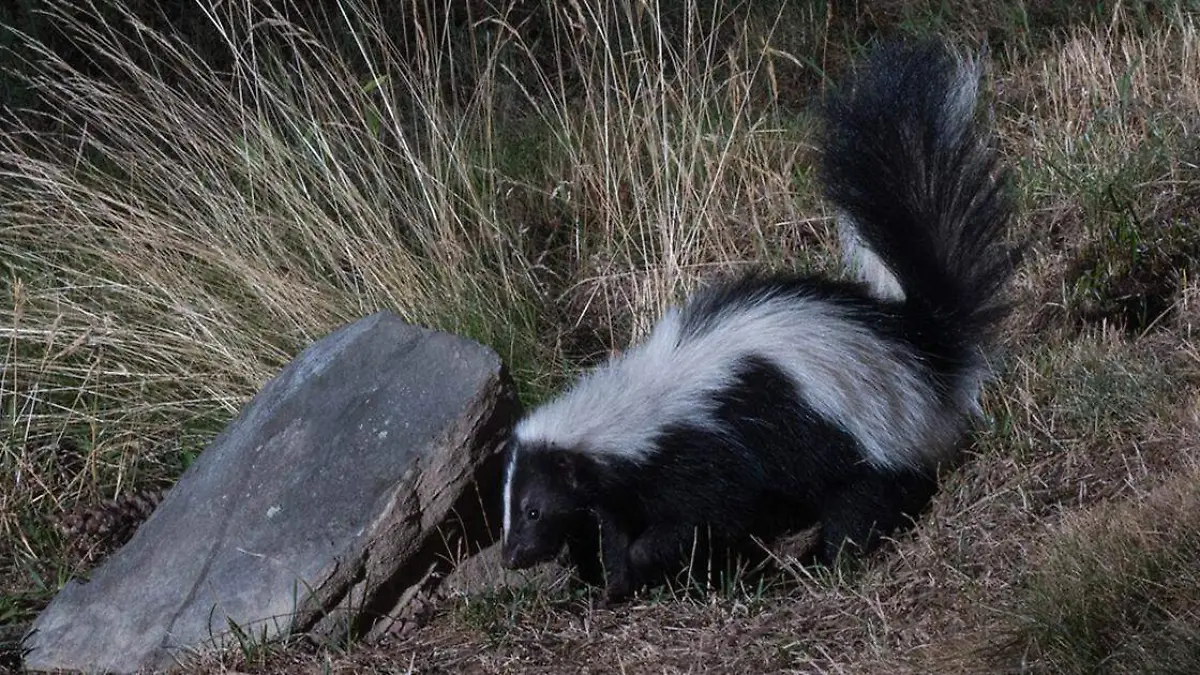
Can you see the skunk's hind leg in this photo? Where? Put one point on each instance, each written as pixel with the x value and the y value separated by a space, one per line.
pixel 868 507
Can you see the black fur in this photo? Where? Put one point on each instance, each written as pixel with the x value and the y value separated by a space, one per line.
pixel 926 196
pixel 923 187
pixel 793 470
pixel 650 515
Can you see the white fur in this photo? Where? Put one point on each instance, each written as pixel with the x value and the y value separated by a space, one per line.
pixel 508 502
pixel 870 387
pixel 956 119
pixel 959 107
pixel 970 386
pixel 864 264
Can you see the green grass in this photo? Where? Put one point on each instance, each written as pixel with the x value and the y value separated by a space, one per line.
pixel 493 614
pixel 1116 591
pixel 547 181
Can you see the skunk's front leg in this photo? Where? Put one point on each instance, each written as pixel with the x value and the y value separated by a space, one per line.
pixel 600 552
pixel 601 555
pixel 584 551
pixel 620 580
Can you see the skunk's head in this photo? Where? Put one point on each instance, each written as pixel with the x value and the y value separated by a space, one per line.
pixel 544 502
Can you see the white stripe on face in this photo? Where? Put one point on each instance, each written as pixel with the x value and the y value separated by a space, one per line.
pixel 508 476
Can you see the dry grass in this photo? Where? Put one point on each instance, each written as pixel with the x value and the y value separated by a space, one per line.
pixel 1116 590
pixel 1101 127
pixel 178 234
pixel 168 248
pixel 173 235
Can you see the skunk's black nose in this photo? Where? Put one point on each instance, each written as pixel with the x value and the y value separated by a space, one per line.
pixel 509 558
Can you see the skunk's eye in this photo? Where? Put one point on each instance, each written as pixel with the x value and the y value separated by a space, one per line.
pixel 533 514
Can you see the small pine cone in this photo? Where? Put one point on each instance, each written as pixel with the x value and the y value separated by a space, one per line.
pixel 96 530
pixel 129 511
pixel 132 509
pixel 91 522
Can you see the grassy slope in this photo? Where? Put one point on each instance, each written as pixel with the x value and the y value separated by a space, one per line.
pixel 167 249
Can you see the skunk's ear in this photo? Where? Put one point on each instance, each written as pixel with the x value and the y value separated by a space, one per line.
pixel 572 467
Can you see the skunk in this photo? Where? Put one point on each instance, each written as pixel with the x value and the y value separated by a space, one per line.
pixel 774 402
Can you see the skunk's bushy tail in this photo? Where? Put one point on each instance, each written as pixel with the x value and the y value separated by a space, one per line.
pixel 922 205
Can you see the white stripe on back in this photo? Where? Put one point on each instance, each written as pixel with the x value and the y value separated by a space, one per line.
pixel 847 373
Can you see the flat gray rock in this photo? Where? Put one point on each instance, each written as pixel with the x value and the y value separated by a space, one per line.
pixel 330 495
